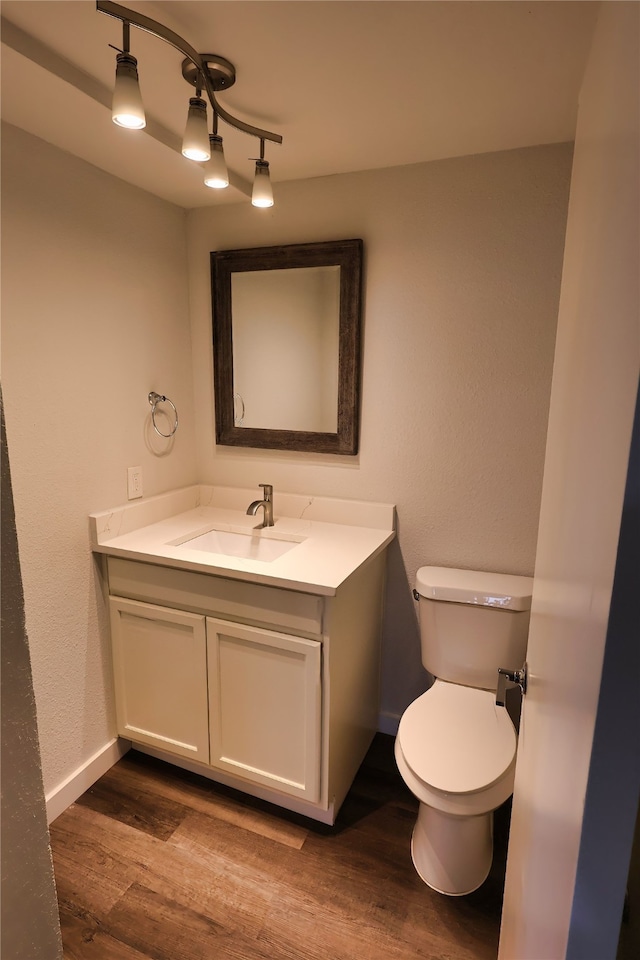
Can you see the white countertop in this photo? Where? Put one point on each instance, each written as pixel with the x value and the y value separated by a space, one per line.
pixel 329 550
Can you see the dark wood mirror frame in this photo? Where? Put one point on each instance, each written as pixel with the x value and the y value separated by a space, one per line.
pixel 348 255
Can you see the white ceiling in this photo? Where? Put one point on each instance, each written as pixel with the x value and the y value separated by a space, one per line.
pixel 349 85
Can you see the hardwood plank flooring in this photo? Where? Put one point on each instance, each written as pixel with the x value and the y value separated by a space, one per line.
pixel 155 863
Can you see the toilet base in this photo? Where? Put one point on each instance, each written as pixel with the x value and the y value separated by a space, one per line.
pixel 453 855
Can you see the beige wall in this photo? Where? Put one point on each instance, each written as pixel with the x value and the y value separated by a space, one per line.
pixel 462 276
pixel 94 316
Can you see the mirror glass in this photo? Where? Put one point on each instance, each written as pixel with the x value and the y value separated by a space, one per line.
pixel 286 335
pixel 285 348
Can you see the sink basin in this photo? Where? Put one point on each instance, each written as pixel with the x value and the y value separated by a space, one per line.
pixel 251 545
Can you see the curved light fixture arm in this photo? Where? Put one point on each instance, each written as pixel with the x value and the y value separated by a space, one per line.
pixel 128 16
pixel 239 124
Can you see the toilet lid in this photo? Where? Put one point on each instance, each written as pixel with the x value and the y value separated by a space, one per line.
pixel 456 739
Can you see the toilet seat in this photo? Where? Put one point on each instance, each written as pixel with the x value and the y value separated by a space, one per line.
pixel 456 740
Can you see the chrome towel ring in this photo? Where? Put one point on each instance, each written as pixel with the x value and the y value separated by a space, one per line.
pixel 238 410
pixel 154 400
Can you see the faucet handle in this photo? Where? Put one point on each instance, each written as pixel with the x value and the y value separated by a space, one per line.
pixel 268 490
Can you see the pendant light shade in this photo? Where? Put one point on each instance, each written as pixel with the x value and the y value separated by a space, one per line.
pixel 127 109
pixel 215 170
pixel 262 195
pixel 195 143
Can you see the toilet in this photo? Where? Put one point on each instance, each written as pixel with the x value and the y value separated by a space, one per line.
pixel 455 747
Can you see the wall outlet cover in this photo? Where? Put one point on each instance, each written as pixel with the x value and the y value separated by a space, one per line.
pixel 134 482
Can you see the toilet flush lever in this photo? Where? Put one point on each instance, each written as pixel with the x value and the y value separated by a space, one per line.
pixel 511 676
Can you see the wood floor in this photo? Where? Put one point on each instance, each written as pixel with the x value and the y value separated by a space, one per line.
pixel 154 862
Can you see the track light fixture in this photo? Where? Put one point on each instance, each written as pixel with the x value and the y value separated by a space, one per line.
pixel 206 72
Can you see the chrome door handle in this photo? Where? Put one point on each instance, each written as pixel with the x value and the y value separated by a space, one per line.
pixel 511 676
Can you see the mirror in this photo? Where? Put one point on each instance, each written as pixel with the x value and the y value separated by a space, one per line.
pixel 286 346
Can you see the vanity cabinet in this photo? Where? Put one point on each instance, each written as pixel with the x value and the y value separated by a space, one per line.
pixel 239 698
pixel 269 690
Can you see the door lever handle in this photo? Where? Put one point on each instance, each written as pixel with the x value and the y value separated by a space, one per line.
pixel 510 676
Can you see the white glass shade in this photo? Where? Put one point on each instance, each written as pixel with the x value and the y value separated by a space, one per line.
pixel 262 195
pixel 126 108
pixel 215 171
pixel 195 143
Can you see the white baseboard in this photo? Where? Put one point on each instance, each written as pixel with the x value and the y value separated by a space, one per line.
pixel 388 723
pixel 84 777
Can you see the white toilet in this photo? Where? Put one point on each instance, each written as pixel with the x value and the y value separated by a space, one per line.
pixel 456 748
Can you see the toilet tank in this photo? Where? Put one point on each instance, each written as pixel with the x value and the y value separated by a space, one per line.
pixel 471 623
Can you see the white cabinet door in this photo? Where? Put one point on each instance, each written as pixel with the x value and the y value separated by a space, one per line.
pixel 160 671
pixel 265 699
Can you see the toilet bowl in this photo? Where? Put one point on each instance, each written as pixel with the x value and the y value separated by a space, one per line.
pixel 456 747
pixel 460 773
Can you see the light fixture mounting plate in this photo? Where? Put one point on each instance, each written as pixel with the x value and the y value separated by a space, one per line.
pixel 221 72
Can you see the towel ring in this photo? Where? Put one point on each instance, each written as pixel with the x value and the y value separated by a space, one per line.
pixel 238 420
pixel 154 400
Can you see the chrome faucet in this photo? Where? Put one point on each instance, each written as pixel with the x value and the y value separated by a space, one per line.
pixel 267 503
